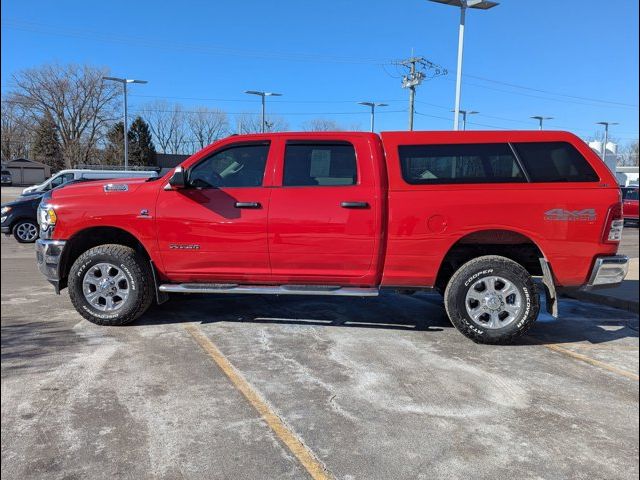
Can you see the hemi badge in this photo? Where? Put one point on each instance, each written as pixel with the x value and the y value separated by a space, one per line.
pixel 116 187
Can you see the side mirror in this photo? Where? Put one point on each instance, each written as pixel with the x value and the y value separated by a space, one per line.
pixel 178 179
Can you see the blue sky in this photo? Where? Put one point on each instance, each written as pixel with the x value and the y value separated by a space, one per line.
pixel 574 60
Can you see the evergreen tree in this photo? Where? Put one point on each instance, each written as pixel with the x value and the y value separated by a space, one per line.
pixel 141 148
pixel 114 151
pixel 46 145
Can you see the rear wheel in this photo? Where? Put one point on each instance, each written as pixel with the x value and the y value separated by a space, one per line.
pixel 26 231
pixel 492 299
pixel 111 285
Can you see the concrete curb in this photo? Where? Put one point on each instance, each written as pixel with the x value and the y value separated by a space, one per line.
pixel 628 305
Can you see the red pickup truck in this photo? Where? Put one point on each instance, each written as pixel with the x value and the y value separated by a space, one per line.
pixel 474 215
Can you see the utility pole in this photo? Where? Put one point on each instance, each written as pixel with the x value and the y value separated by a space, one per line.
pixel 419 70
pixel 124 82
pixel 464 114
pixel 606 137
pixel 263 96
pixel 463 5
pixel 373 106
pixel 541 119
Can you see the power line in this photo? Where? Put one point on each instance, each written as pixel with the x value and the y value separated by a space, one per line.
pixel 539 90
pixel 193 48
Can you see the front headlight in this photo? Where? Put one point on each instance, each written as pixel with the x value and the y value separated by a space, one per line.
pixel 46 216
pixel 5 210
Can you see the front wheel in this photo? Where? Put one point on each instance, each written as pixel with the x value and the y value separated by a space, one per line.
pixel 111 285
pixel 26 231
pixel 492 299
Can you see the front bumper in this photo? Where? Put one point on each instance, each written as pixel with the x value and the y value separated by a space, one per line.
pixel 608 271
pixel 49 256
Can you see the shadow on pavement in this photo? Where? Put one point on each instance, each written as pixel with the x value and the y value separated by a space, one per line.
pixel 393 312
pixel 579 322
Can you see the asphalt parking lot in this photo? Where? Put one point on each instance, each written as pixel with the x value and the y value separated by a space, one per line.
pixel 235 387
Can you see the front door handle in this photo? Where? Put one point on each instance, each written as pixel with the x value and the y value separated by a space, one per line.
pixel 248 205
pixel 354 205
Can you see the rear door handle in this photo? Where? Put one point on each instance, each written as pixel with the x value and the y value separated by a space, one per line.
pixel 354 205
pixel 248 205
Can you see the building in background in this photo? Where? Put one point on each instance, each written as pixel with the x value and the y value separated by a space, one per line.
pixel 611 157
pixel 27 172
pixel 627 176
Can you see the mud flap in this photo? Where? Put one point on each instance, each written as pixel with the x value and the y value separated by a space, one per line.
pixel 161 297
pixel 551 295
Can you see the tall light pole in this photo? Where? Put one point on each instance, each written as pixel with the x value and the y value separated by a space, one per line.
pixel 464 114
pixel 263 95
pixel 124 82
pixel 606 137
pixel 373 106
pixel 541 119
pixel 463 5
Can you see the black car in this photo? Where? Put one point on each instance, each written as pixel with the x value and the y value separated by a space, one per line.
pixel 20 217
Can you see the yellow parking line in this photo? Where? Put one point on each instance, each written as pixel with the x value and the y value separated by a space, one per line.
pixel 306 458
pixel 591 361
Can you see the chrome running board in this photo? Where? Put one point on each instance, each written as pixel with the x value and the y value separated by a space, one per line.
pixel 269 289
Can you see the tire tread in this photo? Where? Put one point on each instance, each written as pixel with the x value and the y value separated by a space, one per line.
pixel 139 269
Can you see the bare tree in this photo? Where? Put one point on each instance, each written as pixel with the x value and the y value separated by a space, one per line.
pixel 321 125
pixel 15 132
pixel 629 155
pixel 206 126
pixel 250 123
pixel 80 103
pixel 168 126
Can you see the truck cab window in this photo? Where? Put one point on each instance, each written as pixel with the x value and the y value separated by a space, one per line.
pixel 236 166
pixel 319 165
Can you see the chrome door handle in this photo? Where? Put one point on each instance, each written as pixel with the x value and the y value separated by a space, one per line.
pixel 354 205
pixel 248 205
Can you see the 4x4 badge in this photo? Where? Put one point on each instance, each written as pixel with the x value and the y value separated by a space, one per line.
pixel 562 215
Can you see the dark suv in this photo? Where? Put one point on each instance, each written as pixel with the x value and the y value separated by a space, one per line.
pixel 6 177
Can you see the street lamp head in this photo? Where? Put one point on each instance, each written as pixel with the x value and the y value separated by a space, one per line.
pixel 607 123
pixel 540 117
pixel 263 94
pixel 478 4
pixel 466 112
pixel 373 104
pixel 124 80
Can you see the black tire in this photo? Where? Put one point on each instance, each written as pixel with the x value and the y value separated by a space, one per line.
pixel 19 227
pixel 138 276
pixel 465 277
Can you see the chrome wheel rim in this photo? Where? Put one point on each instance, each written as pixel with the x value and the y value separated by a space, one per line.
pixel 27 232
pixel 105 287
pixel 493 302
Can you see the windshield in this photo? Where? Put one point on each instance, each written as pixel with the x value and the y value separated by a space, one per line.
pixel 58 180
pixel 630 194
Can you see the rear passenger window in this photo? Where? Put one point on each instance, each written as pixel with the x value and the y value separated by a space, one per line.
pixel 319 164
pixel 459 163
pixel 554 162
